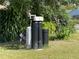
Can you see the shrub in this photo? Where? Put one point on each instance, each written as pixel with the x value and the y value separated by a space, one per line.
pixel 14 20
pixel 50 26
pixel 65 31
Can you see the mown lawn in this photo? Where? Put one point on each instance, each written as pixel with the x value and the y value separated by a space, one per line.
pixel 68 49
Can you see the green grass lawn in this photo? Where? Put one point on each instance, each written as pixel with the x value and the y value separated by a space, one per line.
pixel 68 49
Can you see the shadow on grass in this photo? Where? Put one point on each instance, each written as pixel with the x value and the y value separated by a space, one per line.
pixel 12 46
pixel 16 46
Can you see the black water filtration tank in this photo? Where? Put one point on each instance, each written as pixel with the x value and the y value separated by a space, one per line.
pixel 45 36
pixel 34 31
pixel 40 44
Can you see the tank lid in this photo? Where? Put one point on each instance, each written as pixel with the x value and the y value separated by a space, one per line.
pixel 38 18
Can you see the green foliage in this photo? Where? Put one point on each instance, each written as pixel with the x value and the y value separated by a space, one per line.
pixel 1 1
pixel 40 8
pixel 50 26
pixel 46 12
pixel 14 20
pixel 65 31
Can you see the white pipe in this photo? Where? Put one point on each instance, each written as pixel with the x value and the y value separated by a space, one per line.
pixel 28 37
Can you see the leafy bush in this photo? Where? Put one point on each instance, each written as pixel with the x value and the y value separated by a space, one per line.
pixel 50 26
pixel 14 20
pixel 65 31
